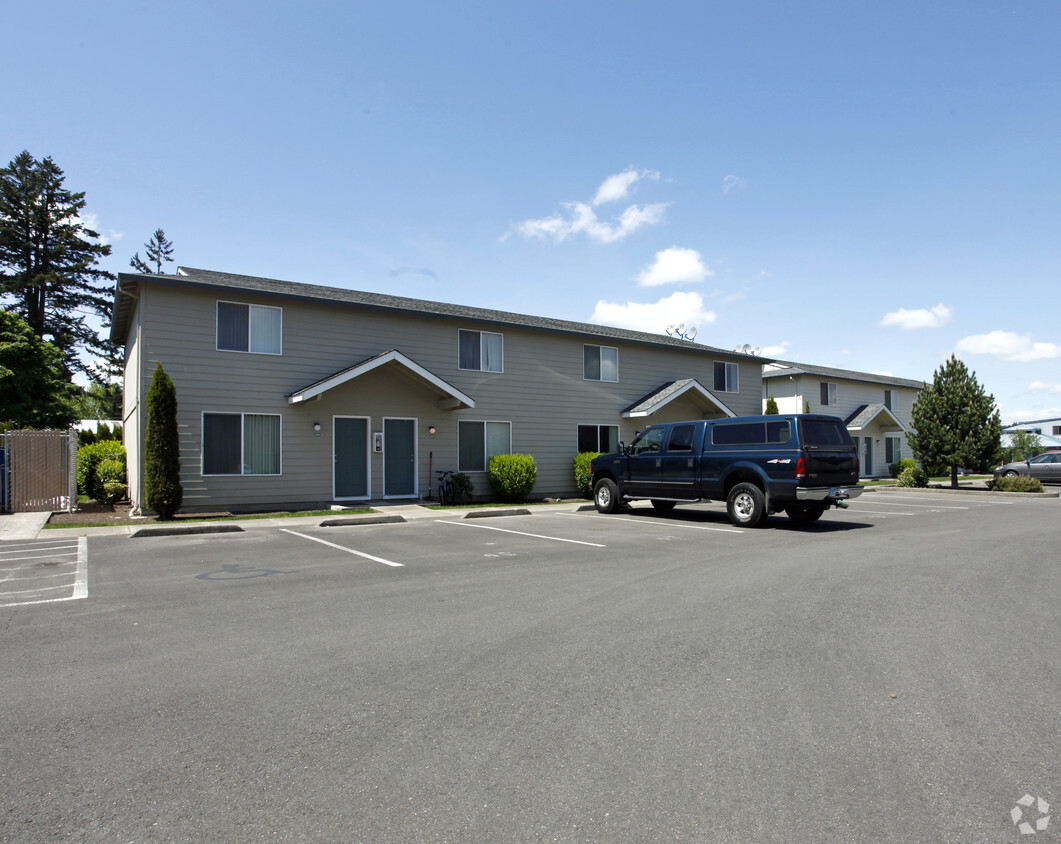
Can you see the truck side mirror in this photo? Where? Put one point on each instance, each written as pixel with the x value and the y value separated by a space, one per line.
pixel 622 447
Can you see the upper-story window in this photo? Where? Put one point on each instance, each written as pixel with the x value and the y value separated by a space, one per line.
pixel 249 328
pixel 482 351
pixel 828 393
pixel 727 377
pixel 600 363
pixel 889 399
pixel 1057 430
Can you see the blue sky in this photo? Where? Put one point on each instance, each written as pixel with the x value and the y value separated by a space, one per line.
pixel 871 186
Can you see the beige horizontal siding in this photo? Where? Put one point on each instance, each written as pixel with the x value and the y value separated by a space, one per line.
pixel 541 391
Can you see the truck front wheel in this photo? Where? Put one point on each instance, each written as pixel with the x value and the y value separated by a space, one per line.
pixel 746 505
pixel 606 495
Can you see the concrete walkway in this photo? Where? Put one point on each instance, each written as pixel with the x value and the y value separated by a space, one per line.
pixel 21 526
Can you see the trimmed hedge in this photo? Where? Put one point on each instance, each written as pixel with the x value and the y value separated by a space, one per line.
pixel 1020 483
pixel 912 477
pixel 582 472
pixel 512 477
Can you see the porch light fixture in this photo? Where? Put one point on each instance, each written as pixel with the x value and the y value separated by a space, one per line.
pixel 317 427
pixel 431 430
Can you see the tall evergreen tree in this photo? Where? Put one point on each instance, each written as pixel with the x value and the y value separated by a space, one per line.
pixel 159 252
pixel 48 272
pixel 34 392
pixel 956 423
pixel 163 492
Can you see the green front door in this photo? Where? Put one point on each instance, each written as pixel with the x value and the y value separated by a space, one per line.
pixel 350 447
pixel 399 458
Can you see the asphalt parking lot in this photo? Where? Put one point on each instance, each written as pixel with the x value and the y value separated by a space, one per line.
pixel 889 674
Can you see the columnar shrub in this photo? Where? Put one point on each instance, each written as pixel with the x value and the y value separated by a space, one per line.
pixel 583 472
pixel 163 492
pixel 89 458
pixel 512 476
pixel 912 476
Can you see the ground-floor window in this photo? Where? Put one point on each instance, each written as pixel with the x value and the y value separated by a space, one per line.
pixel 893 451
pixel 477 442
pixel 600 438
pixel 241 444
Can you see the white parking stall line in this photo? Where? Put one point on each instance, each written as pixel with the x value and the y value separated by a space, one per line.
pixel 669 524
pixel 78 589
pixel 860 511
pixel 341 548
pixel 522 533
pixel 906 503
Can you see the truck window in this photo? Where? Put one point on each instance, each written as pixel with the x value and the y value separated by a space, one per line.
pixel 650 441
pixel 681 438
pixel 742 433
pixel 778 432
pixel 824 432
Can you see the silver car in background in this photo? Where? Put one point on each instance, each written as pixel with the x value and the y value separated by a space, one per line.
pixel 1046 467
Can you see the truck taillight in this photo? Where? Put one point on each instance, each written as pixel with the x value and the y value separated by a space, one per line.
pixel 801 468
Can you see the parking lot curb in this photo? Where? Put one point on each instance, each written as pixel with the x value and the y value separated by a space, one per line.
pixel 483 514
pixel 937 490
pixel 363 520
pixel 184 530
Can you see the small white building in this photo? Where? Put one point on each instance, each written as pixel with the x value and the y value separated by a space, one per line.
pixel 877 409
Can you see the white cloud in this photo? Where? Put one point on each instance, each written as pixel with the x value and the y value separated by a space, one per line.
pixel 1043 387
pixel 732 183
pixel 674 266
pixel 1008 345
pixel 777 351
pixel 618 186
pixel 919 318
pixel 580 218
pixel 654 317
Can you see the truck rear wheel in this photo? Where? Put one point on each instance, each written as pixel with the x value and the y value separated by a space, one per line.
pixel 746 505
pixel 661 506
pixel 805 514
pixel 606 495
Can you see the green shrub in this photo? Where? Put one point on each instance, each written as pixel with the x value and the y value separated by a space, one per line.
pixel 582 472
pixel 462 488
pixel 771 407
pixel 1019 483
pixel 512 476
pixel 894 469
pixel 89 458
pixel 912 476
pixel 110 478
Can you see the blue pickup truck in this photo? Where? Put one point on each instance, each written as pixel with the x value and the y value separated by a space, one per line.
pixel 800 463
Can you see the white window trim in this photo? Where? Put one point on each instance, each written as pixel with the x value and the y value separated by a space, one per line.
pixel 482 355
pixel 486 457
pixel 598 426
pixel 242 462
pixel 249 306
pixel 736 377
pixel 600 348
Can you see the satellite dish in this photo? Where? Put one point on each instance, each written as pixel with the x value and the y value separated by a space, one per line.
pixel 670 329
pixel 691 333
pixel 757 350
pixel 746 349
pixel 681 328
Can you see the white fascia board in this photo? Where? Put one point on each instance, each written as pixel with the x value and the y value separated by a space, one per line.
pixel 393 356
pixel 692 385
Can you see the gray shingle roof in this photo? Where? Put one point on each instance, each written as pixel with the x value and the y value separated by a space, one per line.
pixel 186 276
pixel 784 368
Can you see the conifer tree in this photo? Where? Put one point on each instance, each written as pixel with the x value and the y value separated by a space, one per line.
pixel 163 492
pixel 48 272
pixel 956 423
pixel 34 392
pixel 771 407
pixel 159 252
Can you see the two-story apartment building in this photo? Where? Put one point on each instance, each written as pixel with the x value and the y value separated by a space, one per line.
pixel 297 395
pixel 876 408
